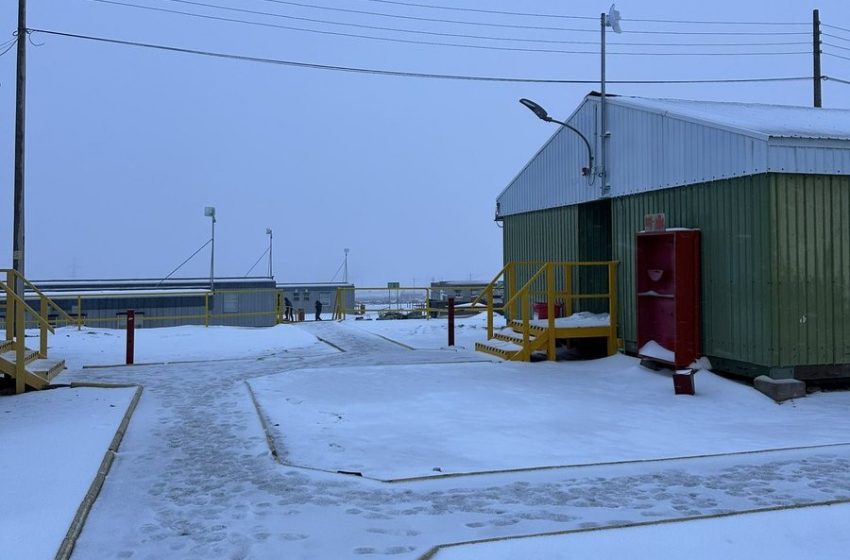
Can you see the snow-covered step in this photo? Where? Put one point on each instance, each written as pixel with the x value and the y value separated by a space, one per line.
pixel 46 368
pixel 9 355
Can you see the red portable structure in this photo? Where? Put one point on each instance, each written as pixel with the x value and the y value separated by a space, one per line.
pixel 667 268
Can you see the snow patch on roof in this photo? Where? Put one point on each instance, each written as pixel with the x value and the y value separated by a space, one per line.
pixel 781 121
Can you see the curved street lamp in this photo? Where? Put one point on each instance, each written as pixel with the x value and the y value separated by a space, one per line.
pixel 543 115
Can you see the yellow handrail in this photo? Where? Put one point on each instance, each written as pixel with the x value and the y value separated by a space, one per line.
pixel 12 296
pixel 41 294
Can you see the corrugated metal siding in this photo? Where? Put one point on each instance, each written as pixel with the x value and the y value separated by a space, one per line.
pixel 650 150
pixel 549 235
pixel 811 251
pixel 809 156
pixel 553 177
pixel 733 216
pixel 546 235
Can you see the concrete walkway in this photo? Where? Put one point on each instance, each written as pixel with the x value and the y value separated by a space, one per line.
pixel 194 478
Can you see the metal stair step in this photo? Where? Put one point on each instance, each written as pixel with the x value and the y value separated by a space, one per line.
pixel 504 350
pixel 512 338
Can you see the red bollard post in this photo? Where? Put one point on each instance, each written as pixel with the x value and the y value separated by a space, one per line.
pixel 131 328
pixel 451 321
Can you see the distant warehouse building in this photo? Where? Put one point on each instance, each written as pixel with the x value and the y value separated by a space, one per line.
pixel 769 188
pixel 246 302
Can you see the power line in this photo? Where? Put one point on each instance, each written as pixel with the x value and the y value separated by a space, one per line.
pixel 707 22
pixel 836 55
pixel 510 26
pixel 718 32
pixel 839 80
pixel 396 73
pixel 836 27
pixel 7 46
pixel 435 43
pixel 482 11
pixel 562 16
pixel 458 35
pixel 835 36
pixel 435 20
pixel 836 46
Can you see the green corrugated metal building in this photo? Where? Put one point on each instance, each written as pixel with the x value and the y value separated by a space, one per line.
pixel 768 186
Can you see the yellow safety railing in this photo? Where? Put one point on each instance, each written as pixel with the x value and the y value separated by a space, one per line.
pixel 16 309
pixel 80 316
pixel 555 283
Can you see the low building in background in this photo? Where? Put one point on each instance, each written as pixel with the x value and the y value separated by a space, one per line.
pixel 245 302
pixel 464 293
pixel 304 295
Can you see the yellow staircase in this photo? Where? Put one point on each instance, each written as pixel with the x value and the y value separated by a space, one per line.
pixel 29 368
pixel 555 284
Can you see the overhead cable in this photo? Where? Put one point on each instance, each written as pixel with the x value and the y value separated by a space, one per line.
pixel 836 46
pixel 483 24
pixel 835 36
pixel 444 34
pixel 839 80
pixel 7 46
pixel 397 73
pixel 481 11
pixel 836 55
pixel 439 43
pixel 558 16
pixel 414 18
pixel 835 27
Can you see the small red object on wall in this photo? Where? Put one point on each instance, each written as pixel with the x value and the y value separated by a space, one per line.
pixel 668 296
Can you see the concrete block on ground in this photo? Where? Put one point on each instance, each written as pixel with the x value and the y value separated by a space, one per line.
pixel 780 389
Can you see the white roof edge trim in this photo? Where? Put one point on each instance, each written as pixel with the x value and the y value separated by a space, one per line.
pixel 624 102
pixel 589 98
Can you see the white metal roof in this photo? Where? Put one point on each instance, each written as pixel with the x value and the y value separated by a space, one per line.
pixel 779 121
pixel 662 143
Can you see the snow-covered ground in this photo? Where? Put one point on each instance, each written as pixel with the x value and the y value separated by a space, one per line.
pixel 406 421
pixel 195 476
pixel 779 535
pixel 51 446
pixel 97 347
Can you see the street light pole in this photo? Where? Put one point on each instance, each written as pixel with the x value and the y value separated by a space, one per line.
pixel 269 233
pixel 345 271
pixel 209 211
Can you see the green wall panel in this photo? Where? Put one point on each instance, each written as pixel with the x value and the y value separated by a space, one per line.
pixel 775 252
pixel 811 252
pixel 733 216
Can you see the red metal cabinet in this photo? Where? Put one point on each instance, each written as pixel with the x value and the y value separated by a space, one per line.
pixel 668 296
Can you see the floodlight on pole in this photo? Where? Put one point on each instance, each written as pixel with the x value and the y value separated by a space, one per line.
pixel 543 115
pixel 269 233
pixel 209 212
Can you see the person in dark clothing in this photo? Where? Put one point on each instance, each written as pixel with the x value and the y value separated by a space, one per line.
pixel 287 310
pixel 318 310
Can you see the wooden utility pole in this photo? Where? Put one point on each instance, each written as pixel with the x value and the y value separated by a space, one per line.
pixel 816 73
pixel 20 124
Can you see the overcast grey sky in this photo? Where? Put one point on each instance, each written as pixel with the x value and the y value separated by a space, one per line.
pixel 126 145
